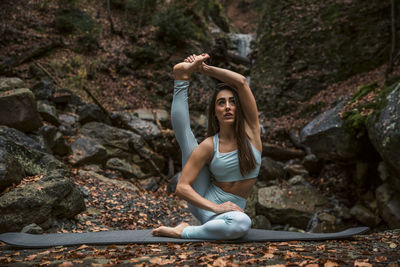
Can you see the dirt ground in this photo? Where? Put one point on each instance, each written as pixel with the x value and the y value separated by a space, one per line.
pixel 116 206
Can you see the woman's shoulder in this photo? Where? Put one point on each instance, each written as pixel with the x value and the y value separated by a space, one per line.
pixel 208 144
pixel 205 150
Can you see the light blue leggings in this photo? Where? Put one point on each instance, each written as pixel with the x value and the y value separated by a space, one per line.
pixel 225 226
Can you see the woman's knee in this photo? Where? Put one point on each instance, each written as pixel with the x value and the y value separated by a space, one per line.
pixel 239 224
pixel 243 221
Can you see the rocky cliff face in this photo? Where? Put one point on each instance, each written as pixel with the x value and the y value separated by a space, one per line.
pixel 304 46
pixel 363 132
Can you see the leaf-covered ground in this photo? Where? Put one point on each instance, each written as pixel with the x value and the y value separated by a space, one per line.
pixel 119 206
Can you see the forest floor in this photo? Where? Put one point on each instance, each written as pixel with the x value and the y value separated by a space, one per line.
pixel 117 206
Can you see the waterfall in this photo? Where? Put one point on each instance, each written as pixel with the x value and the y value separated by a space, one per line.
pixel 242 45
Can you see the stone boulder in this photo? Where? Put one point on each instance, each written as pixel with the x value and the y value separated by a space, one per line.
pixel 54 140
pixel 389 205
pixel 293 205
pixel 39 202
pixel 127 169
pixel 21 138
pixel 69 123
pixel 48 112
pixel 91 112
pixel 86 150
pixel 116 143
pixel 11 171
pixel 18 110
pixel 46 193
pixel 270 170
pixel 145 128
pixel 44 90
pixel 327 137
pixel 364 215
pixel 10 83
pixel 384 133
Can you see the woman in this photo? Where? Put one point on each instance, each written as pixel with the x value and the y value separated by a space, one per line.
pixel 232 152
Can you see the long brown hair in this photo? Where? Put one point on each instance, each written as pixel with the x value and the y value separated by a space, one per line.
pixel 247 161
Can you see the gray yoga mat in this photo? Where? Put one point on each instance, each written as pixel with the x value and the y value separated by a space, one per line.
pixel 145 237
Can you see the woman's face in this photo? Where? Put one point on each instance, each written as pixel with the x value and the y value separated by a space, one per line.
pixel 225 107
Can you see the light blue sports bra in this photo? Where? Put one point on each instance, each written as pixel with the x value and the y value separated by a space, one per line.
pixel 225 166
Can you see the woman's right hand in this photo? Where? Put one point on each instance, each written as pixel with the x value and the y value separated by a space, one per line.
pixel 225 207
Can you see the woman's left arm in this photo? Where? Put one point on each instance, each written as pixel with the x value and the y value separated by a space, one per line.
pixel 246 97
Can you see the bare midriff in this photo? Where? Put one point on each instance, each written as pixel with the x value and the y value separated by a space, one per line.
pixel 240 188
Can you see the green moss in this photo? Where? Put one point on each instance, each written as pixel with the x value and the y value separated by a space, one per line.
pixel 381 100
pixel 73 20
pixel 215 10
pixel 363 91
pixel 353 121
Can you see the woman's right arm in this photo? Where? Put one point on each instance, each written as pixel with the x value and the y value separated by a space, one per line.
pixel 197 160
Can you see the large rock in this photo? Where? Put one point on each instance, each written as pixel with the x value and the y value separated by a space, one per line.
pixel 10 83
pixel 39 202
pixel 327 137
pixel 44 90
pixel 48 112
pixel 33 161
pixel 47 193
pixel 364 215
pixel 118 143
pixel 85 150
pixel 384 133
pixel 54 140
pixel 294 205
pixel 127 169
pixel 389 205
pixel 18 110
pixel 90 112
pixel 147 129
pixel 21 138
pixel 11 171
pixel 271 170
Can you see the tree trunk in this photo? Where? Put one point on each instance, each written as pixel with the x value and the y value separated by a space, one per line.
pixel 389 68
pixel 109 16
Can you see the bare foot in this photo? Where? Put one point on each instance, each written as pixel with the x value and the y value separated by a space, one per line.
pixel 193 63
pixel 170 231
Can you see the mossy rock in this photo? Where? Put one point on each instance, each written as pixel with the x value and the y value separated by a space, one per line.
pixel 74 20
pixel 384 130
pixel 355 119
pixel 302 50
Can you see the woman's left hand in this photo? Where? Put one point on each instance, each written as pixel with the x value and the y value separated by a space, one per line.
pixel 198 60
